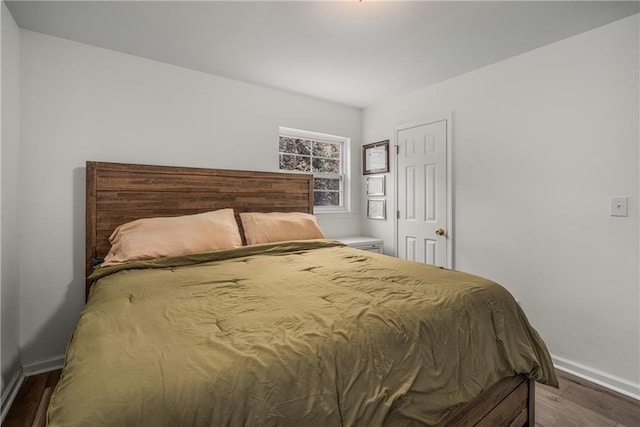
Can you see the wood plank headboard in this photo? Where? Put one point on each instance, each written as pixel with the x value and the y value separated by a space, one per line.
pixel 119 192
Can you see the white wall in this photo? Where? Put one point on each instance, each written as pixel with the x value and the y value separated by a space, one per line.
pixel 541 141
pixel 9 148
pixel 84 103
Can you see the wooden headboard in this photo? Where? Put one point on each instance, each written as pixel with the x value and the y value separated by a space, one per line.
pixel 118 193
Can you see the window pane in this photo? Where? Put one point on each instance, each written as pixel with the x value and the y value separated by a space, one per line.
pixel 295 163
pixel 326 149
pixel 323 156
pixel 295 146
pixel 326 183
pixel 326 165
pixel 325 198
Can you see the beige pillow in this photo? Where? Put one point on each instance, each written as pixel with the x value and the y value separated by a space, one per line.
pixel 279 226
pixel 150 238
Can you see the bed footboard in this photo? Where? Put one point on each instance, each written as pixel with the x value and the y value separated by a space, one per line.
pixel 510 402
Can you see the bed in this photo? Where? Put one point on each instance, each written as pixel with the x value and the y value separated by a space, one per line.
pixel 294 332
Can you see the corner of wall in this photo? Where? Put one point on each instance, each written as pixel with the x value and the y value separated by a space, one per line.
pixel 9 156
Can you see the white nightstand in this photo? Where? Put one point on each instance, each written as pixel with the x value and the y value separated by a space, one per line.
pixel 370 244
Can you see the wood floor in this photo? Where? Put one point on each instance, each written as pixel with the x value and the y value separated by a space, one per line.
pixel 30 405
pixel 581 403
pixel 578 403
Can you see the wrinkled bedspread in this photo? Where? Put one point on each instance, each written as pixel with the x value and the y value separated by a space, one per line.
pixel 305 333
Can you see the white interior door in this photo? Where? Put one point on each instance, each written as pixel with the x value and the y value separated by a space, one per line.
pixel 422 196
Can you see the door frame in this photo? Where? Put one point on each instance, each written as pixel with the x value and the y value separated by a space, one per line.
pixel 448 118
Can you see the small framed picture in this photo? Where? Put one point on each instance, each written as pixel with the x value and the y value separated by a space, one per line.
pixel 375 185
pixel 375 157
pixel 376 209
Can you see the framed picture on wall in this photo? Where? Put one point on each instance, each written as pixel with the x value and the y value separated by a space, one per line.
pixel 375 157
pixel 375 185
pixel 376 209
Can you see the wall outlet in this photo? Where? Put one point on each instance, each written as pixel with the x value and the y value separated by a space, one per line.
pixel 618 206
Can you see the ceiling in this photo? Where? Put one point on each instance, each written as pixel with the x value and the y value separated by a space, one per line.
pixel 350 52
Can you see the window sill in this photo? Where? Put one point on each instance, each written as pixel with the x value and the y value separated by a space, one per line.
pixel 333 214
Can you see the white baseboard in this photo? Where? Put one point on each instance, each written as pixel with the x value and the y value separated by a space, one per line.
pixel 41 366
pixel 26 371
pixel 10 393
pixel 612 382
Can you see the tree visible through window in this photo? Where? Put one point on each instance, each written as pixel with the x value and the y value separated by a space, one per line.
pixel 325 159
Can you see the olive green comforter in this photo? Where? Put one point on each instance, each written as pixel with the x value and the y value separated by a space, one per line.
pixel 305 333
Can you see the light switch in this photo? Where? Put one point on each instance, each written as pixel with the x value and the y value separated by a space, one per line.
pixel 618 206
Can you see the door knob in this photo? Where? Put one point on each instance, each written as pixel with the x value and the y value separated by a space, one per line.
pixel 440 232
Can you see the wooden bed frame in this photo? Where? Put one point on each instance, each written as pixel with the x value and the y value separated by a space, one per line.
pixel 118 193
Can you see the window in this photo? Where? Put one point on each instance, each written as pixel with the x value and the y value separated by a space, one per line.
pixel 323 155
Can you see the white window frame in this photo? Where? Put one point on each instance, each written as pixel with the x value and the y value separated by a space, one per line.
pixel 344 165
